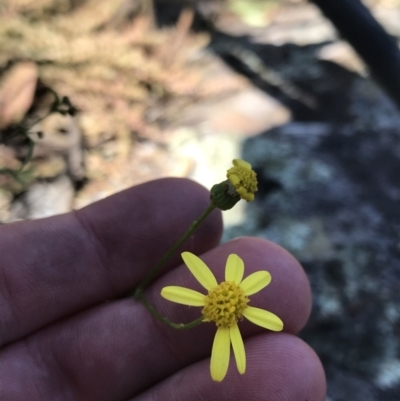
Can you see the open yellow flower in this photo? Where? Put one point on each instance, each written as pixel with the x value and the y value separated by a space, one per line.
pixel 225 304
pixel 243 178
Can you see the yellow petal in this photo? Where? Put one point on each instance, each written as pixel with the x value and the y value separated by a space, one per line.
pixel 199 270
pixel 238 348
pixel 220 354
pixel 234 269
pixel 255 282
pixel 263 318
pixel 182 295
pixel 241 163
pixel 234 179
pixel 249 197
pixel 242 192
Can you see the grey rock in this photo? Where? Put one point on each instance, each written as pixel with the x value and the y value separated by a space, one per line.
pixel 60 135
pixel 44 199
pixel 330 195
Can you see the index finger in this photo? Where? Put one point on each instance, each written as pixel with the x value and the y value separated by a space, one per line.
pixel 54 267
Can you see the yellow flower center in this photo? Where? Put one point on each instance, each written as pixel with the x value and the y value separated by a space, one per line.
pixel 225 304
pixel 244 181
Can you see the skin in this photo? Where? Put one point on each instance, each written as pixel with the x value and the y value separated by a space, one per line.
pixel 66 333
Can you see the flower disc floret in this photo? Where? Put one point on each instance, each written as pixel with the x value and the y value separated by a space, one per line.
pixel 243 179
pixel 225 304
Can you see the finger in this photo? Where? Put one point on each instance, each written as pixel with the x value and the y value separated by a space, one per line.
pixel 281 367
pixel 53 267
pixel 123 342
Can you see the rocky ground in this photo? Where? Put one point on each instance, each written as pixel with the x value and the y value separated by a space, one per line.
pixel 272 83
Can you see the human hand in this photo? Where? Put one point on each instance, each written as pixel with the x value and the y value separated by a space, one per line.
pixel 65 333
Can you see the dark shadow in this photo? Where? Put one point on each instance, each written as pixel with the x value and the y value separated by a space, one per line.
pixel 279 71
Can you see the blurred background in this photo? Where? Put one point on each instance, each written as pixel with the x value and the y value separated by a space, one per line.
pixel 98 95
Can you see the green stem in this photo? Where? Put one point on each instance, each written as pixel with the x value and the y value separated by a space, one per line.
pixel 28 156
pixel 14 174
pixel 145 282
pixel 178 326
